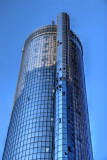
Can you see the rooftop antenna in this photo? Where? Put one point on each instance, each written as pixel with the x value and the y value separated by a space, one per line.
pixel 53 22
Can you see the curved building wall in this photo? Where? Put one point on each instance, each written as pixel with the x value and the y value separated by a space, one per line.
pixel 82 140
pixel 30 133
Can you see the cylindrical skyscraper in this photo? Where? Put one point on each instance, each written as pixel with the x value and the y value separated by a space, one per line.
pixel 49 118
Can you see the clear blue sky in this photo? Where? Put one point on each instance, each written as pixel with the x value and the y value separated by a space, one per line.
pixel 88 18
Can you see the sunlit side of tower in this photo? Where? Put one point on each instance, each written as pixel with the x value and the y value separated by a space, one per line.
pixel 30 134
pixel 50 115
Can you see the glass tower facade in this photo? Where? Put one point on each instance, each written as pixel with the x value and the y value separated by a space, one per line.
pixel 49 119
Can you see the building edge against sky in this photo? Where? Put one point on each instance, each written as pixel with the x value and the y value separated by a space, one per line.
pixel 50 114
